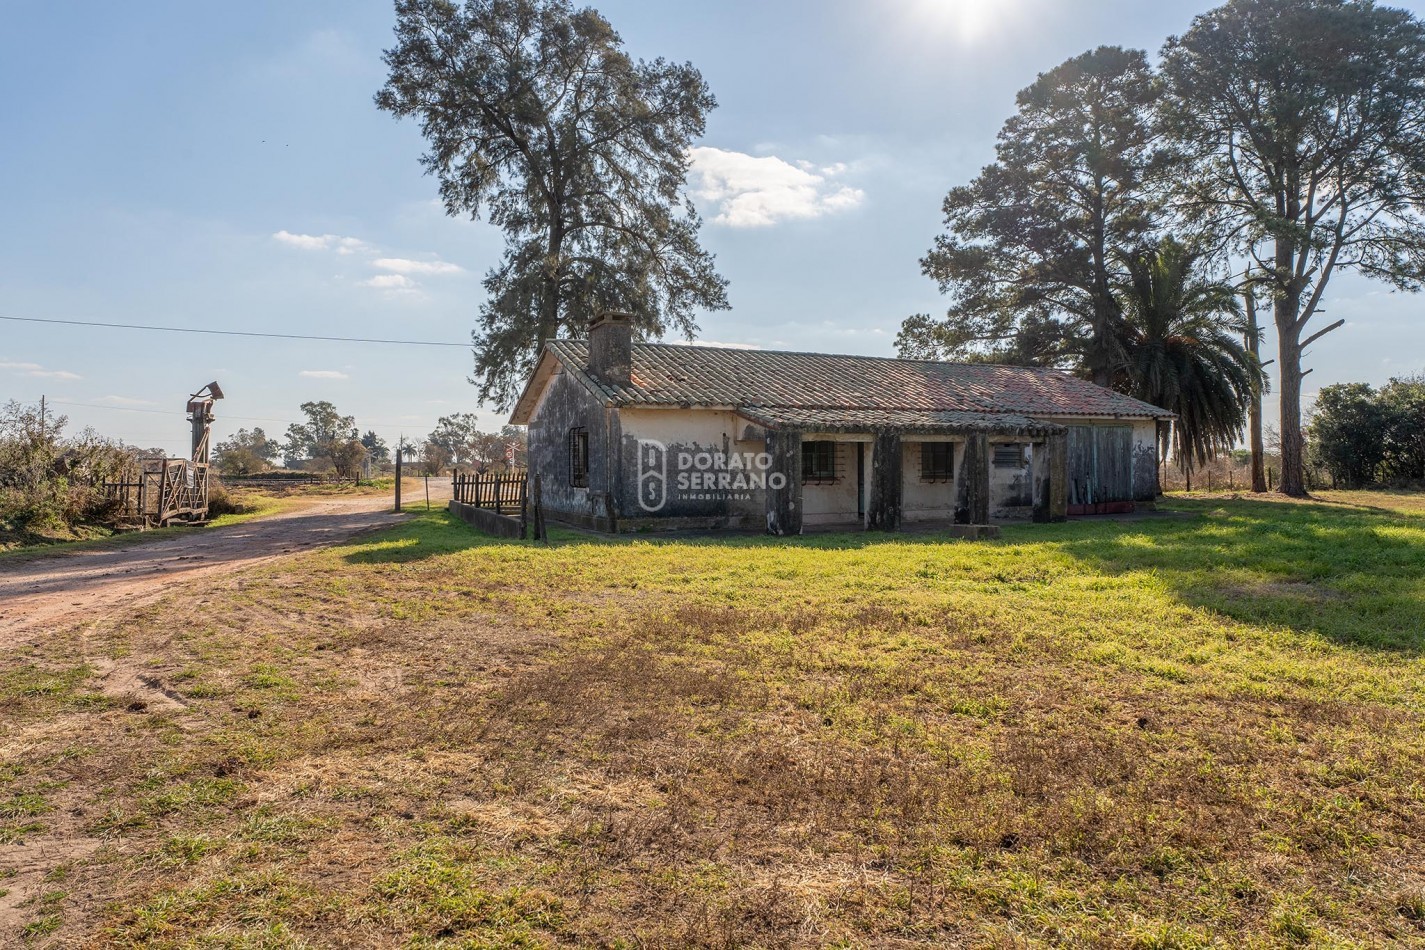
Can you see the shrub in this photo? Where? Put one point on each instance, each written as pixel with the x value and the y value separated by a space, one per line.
pixel 223 502
pixel 1359 435
pixel 49 483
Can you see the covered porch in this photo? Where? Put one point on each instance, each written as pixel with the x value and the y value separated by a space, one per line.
pixel 886 469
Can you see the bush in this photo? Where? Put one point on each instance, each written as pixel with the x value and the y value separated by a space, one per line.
pixel 1361 436
pixel 51 484
pixel 223 502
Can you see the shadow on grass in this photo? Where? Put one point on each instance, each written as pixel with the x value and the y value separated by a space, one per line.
pixel 1352 573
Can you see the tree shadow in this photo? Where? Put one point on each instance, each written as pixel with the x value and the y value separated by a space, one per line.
pixel 1351 573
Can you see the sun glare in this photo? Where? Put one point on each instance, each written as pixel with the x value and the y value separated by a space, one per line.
pixel 965 20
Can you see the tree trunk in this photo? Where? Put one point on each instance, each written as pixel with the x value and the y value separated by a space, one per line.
pixel 1254 408
pixel 1293 470
pixel 549 291
pixel 1286 309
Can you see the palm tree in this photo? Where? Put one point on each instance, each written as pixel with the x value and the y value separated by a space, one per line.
pixel 1183 350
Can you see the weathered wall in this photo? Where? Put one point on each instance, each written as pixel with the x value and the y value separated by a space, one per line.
pixel 835 502
pixel 564 405
pixel 887 482
pixel 1145 461
pixel 1011 486
pixel 1111 460
pixel 483 519
pixel 972 482
pixel 783 514
pixel 922 500
pixel 692 467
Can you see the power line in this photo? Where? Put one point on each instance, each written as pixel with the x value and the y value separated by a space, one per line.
pixel 254 333
pixel 221 415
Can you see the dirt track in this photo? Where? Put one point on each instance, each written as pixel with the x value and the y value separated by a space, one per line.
pixel 35 593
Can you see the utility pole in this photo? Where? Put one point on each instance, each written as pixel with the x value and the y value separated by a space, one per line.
pixel 400 450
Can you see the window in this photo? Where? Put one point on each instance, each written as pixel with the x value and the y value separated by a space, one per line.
pixel 937 461
pixel 818 462
pixel 1009 456
pixel 579 457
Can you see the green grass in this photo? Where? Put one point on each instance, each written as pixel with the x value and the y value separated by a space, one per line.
pixel 31 547
pixel 1189 731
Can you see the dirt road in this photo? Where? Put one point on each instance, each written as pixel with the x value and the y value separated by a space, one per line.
pixel 35 593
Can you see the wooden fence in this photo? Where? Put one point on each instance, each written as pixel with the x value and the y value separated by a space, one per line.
pixel 498 491
pixel 505 494
pixel 166 491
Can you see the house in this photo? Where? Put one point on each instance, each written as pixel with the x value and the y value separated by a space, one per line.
pixel 628 436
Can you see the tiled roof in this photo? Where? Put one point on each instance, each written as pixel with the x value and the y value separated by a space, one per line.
pixel 901 420
pixel 672 375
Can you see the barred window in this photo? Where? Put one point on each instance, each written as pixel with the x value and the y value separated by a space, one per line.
pixel 579 457
pixel 1009 456
pixel 937 461
pixel 818 462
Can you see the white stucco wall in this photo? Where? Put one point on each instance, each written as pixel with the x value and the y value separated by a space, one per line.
pixel 922 500
pixel 836 503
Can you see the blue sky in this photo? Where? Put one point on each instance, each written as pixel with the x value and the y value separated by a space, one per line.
pixel 223 165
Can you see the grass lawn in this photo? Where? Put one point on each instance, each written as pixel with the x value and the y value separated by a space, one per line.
pixel 1174 732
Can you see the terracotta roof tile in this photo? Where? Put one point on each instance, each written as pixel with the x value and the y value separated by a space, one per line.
pixel 672 375
pixel 903 420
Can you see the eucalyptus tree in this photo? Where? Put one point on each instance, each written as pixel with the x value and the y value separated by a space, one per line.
pixel 321 436
pixel 1184 350
pixel 1030 252
pixel 537 120
pixel 1304 121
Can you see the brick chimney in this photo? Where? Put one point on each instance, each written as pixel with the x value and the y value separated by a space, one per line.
pixel 611 348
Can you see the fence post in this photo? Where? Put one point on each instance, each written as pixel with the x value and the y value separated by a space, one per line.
pixel 162 494
pixel 427 492
pixel 524 510
pixel 539 532
pixel 399 453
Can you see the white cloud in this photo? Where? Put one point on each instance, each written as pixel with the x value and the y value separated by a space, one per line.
pixel 321 242
pixel 322 374
pixel 389 282
pixel 37 371
pixel 751 191
pixel 401 265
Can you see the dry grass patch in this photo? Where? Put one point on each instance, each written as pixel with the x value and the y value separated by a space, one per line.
pixel 1121 734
